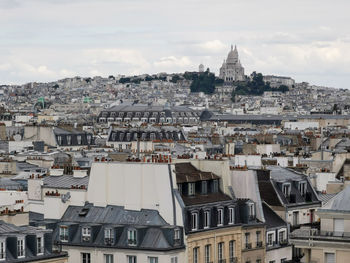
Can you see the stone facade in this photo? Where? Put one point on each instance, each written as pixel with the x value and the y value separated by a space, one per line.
pixel 232 70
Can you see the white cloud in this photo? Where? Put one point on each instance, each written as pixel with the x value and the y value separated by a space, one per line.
pixel 213 46
pixel 173 62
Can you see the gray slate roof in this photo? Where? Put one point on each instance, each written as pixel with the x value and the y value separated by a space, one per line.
pixel 65 181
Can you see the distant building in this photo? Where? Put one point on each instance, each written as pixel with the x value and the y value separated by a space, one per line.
pixel 231 69
pixel 201 68
pixel 276 81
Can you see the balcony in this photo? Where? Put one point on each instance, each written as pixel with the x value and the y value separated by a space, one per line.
pixel 310 237
pixel 283 242
pixel 233 260
pixel 86 238
pixel 248 245
pixel 221 260
pixel 109 241
pixel 132 242
pixel 63 238
pixel 259 244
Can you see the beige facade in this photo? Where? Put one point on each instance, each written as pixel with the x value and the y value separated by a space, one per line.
pixel 253 248
pixel 213 238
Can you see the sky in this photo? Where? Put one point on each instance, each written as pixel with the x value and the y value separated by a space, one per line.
pixel 47 40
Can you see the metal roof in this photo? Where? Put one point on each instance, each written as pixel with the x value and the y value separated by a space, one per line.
pixel 65 181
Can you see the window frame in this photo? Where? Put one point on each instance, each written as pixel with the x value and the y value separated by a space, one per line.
pixel 86 257
pixel 21 247
pixel 207 253
pixel 220 216
pixel 194 223
pixel 206 220
pixel 231 215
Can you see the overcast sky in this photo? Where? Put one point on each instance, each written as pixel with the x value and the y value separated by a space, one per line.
pixel 45 40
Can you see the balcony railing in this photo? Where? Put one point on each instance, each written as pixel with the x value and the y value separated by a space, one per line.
pixel 233 260
pixel 221 260
pixel 310 233
pixel 248 245
pixel 259 244
pixel 63 238
pixel 132 242
pixel 109 241
pixel 283 242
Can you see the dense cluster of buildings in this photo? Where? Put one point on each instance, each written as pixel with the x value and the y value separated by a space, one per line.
pixel 139 169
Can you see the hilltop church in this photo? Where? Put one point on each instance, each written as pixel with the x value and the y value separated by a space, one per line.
pixel 231 69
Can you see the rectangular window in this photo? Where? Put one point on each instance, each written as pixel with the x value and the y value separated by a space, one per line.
pixel 302 188
pixel 176 234
pixel 79 139
pixel 132 237
pixel 131 259
pixel 207 253
pixel 206 219
pixel 20 247
pixel 286 189
pixel 215 186
pixel 39 245
pixel 270 239
pixel 2 250
pixel 248 245
pixel 194 220
pixel 195 255
pixel 152 259
pixel 109 258
pixel 220 216
pixel 86 231
pixel 221 251
pixel 283 260
pixel 281 236
pixel 204 187
pixel 232 250
pixel 64 233
pixel 108 233
pixel 191 188
pixel 173 260
pixel 231 215
pixel 252 210
pixel 69 140
pixel 86 257
pixel 179 187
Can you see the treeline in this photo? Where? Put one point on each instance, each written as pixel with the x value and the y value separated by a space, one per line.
pixel 202 81
pixel 256 87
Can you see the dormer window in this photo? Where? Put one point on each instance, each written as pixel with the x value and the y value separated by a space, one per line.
pixel 128 135
pixel 220 216
pixel 108 236
pixel 39 245
pixel 206 223
pixel 231 215
pixel 86 233
pixel 194 221
pixel 204 187
pixel 2 250
pixel 286 189
pixel 215 186
pixel 63 233
pixel 69 140
pixel 302 188
pixel 179 187
pixel 251 211
pixel 191 188
pixel 152 136
pixel 79 139
pixel 20 247
pixel 89 138
pixel 132 241
pixel 59 140
pixel 176 234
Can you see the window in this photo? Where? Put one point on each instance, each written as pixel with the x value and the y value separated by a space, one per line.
pixel 2 250
pixel 131 259
pixel 272 261
pixel 204 187
pixel 20 247
pixel 207 253
pixel 40 245
pixel 281 236
pixel 132 237
pixel 206 219
pixel 251 210
pixel 231 215
pixel 59 140
pixel 221 251
pixel 194 221
pixel 86 231
pixel 270 239
pixel 302 188
pixel 231 249
pixel 215 186
pixel 191 188
pixel 220 216
pixel 247 241
pixel 173 260
pixel 195 255
pixel 64 233
pixel 176 234
pixel 89 138
pixel 69 140
pixel 179 187
pixel 79 139
pixel 108 233
pixel 109 258
pixel 152 259
pixel 258 261
pixel 283 260
pixel 86 257
pixel 286 189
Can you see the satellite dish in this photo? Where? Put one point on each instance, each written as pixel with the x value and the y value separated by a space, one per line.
pixel 17 137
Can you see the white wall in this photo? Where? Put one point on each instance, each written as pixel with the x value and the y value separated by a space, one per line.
pixel 134 186
pixel 249 160
pixel 301 125
pixel 322 180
